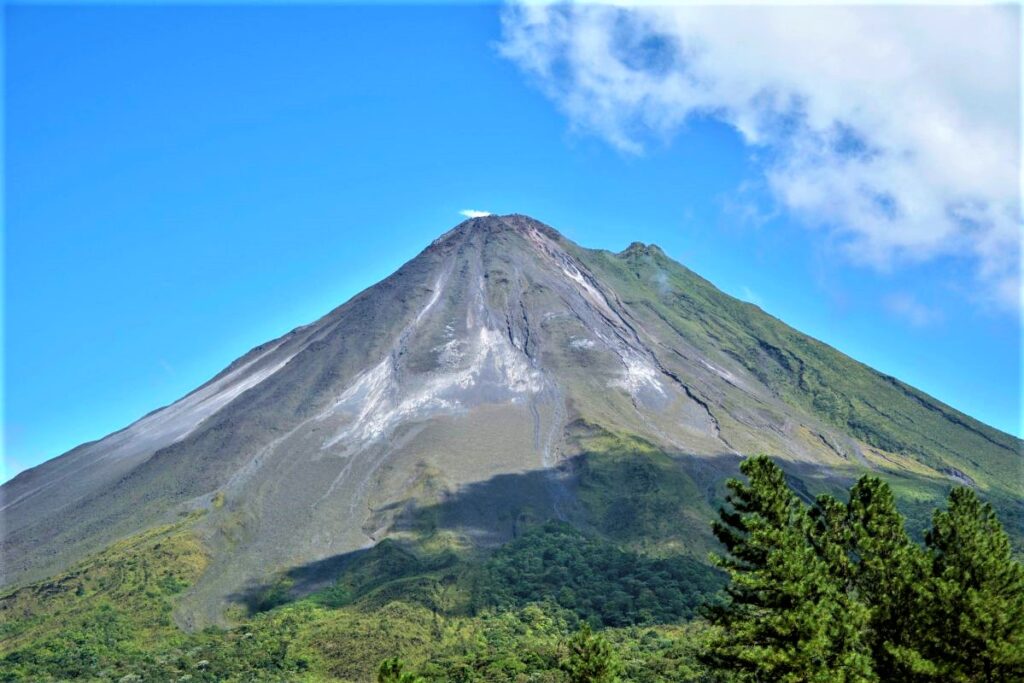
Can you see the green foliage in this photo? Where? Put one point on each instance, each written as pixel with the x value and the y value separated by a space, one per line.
pixel 500 646
pixel 277 593
pixel 597 581
pixel 786 617
pixel 831 593
pixel 977 607
pixel 590 659
pixel 336 595
pixel 867 548
pixel 83 622
pixel 434 577
pixel 391 671
pixel 387 602
pixel 840 592
pixel 636 495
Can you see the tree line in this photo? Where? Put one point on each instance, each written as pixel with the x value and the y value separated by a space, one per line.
pixel 837 591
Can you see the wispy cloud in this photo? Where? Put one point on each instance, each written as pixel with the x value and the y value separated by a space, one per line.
pixel 908 308
pixel 473 213
pixel 750 296
pixel 893 129
pixel 10 467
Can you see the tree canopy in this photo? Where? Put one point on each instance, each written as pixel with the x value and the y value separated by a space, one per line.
pixel 839 592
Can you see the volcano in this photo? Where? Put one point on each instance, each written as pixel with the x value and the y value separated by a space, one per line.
pixel 503 376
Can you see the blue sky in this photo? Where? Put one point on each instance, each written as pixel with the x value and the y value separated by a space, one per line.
pixel 183 184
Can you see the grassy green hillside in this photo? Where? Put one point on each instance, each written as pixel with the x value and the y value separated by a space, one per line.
pixel 453 618
pixel 106 610
pixel 877 409
pixel 452 612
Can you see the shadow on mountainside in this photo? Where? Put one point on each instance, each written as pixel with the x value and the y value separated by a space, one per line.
pixel 638 499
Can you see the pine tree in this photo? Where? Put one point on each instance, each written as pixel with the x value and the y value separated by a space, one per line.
pixel 590 659
pixel 977 611
pixel 786 616
pixel 866 547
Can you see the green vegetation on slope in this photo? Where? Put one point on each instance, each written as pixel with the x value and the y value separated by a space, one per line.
pixel 636 495
pixel 877 409
pixel 600 583
pixel 454 617
pixel 103 611
pixel 824 591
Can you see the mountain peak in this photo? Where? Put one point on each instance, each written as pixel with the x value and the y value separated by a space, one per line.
pixel 495 223
pixel 641 249
pixel 500 359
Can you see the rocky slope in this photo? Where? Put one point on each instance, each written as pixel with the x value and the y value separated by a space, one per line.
pixel 502 376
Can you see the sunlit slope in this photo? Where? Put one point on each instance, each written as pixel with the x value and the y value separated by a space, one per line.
pixel 884 416
pixel 116 603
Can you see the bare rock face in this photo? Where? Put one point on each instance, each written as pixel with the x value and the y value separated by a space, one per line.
pixel 487 358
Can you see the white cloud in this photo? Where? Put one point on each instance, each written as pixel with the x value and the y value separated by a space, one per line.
pixel 473 213
pixel 894 129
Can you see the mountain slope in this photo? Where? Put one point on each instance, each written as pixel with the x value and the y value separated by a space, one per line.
pixel 503 376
